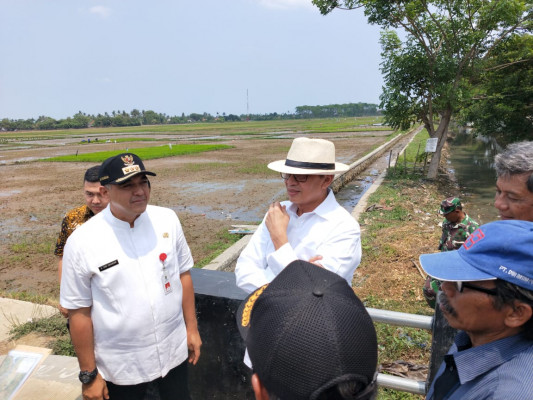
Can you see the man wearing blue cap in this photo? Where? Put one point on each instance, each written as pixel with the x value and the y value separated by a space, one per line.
pixel 487 294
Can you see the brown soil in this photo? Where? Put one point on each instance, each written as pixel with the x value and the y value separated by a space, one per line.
pixel 209 191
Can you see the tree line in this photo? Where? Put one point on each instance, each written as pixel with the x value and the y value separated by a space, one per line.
pixel 149 117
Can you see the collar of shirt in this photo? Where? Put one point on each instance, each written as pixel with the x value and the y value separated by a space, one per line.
pixel 118 223
pixel 472 362
pixel 88 212
pixel 327 206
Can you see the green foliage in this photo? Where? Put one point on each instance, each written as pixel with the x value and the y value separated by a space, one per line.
pixel 427 75
pixel 337 110
pixel 502 104
pixel 146 153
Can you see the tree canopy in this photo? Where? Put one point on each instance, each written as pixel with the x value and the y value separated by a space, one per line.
pixel 432 51
pixel 502 101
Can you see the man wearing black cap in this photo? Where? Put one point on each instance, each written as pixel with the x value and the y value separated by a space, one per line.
pixel 487 294
pixel 128 289
pixel 309 338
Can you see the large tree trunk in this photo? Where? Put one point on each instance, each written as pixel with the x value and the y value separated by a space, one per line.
pixel 442 134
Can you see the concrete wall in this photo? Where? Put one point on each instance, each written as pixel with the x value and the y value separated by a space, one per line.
pixel 220 373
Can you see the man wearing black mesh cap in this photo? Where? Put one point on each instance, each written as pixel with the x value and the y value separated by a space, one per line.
pixel 309 337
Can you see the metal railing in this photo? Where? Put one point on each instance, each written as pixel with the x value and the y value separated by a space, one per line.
pixel 401 319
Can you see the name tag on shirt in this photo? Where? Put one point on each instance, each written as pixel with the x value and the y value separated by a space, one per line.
pixel 166 284
pixel 108 265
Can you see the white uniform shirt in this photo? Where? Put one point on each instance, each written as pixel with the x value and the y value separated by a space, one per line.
pixel 139 331
pixel 329 231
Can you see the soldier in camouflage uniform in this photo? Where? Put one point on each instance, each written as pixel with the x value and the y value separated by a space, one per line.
pixel 455 230
pixel 457 226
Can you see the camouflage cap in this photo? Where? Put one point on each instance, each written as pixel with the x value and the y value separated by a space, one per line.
pixel 450 204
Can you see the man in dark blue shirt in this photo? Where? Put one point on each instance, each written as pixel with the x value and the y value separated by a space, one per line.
pixel 487 293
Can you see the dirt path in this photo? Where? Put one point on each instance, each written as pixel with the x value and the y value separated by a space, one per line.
pixel 209 191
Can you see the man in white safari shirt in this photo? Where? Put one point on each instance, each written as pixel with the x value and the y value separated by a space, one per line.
pixel 129 292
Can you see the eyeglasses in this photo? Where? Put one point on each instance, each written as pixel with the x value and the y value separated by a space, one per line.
pixel 297 178
pixel 461 285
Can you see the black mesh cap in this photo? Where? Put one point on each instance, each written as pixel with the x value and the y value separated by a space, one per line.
pixel 120 168
pixel 307 331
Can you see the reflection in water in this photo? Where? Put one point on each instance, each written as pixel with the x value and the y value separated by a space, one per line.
pixel 472 161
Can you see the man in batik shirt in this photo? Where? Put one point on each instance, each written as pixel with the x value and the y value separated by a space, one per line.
pixel 94 203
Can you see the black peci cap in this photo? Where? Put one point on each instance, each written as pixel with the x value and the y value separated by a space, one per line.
pixel 120 168
pixel 307 331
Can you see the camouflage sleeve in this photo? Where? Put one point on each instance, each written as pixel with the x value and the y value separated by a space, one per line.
pixel 62 238
pixel 472 227
pixel 442 238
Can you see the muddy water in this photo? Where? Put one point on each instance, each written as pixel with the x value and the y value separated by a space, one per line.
pixel 472 162
pixel 351 193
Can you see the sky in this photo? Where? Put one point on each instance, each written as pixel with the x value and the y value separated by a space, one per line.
pixel 59 57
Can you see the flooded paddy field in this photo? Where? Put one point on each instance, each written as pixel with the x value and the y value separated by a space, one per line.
pixel 209 191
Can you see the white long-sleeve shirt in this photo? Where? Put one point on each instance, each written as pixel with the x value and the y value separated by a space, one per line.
pixel 329 231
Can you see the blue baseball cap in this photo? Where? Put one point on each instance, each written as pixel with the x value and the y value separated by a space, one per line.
pixel 497 250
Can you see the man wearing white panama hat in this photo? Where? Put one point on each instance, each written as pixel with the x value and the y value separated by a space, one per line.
pixel 310 226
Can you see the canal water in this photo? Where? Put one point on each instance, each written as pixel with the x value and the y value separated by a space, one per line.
pixel 472 162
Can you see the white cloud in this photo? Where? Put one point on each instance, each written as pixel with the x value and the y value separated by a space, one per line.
pixel 101 11
pixel 286 4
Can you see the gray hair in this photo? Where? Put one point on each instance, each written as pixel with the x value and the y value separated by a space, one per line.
pixel 516 159
pixel 507 294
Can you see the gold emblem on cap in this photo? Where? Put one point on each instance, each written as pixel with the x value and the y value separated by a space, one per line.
pixel 127 159
pixel 247 311
pixel 165 235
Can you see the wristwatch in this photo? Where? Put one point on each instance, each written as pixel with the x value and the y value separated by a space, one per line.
pixel 88 376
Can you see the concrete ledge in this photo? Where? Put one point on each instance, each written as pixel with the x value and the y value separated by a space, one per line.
pixel 55 379
pixel 360 165
pixel 223 261
pixel 16 312
pixel 361 205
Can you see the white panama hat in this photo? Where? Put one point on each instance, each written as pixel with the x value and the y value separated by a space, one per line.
pixel 310 157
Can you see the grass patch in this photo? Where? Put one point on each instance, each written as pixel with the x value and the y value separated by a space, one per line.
pixel 27 296
pixel 145 153
pixel 121 140
pixel 398 342
pixel 208 166
pixel 27 247
pixel 255 168
pixel 53 326
pixel 414 158
pixel 224 241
